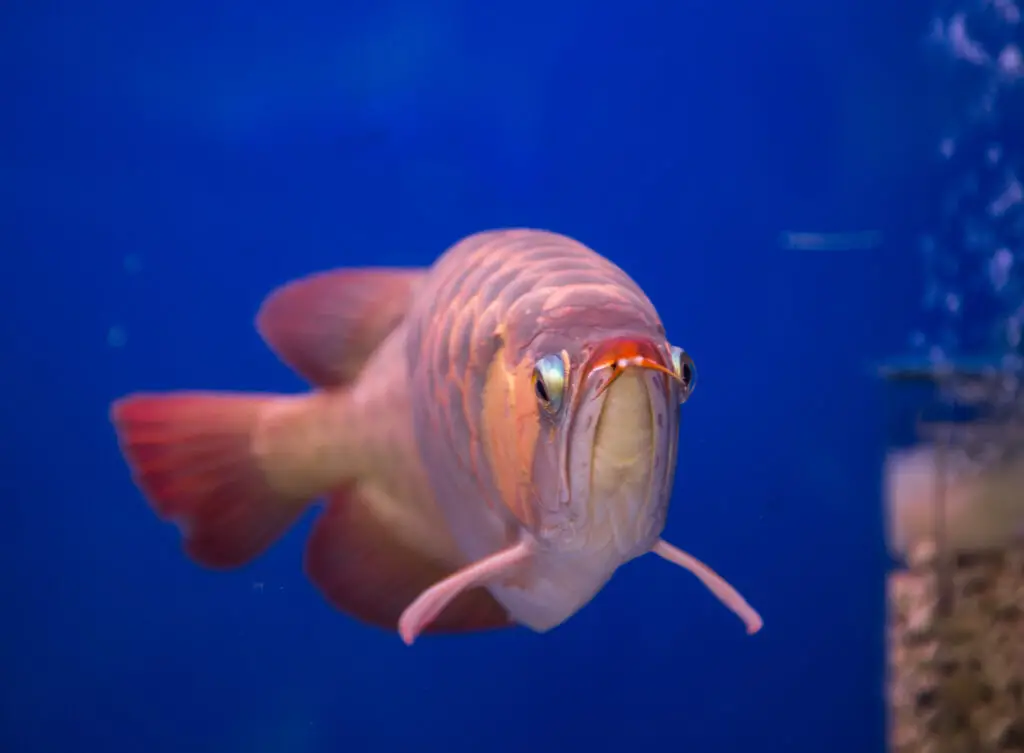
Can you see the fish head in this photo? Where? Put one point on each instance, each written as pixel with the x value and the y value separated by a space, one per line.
pixel 599 408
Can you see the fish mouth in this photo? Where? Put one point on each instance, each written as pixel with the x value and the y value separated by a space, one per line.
pixel 616 439
pixel 615 356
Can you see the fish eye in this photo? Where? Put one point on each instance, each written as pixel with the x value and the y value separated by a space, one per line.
pixel 549 381
pixel 685 370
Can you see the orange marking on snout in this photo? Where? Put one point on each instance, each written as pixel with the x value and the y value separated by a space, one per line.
pixel 618 355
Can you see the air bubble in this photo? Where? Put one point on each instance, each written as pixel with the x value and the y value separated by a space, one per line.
pixel 1008 10
pixel 973 302
pixel 1010 62
pixel 999 268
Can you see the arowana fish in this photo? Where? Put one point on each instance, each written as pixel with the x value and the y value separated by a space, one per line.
pixel 495 435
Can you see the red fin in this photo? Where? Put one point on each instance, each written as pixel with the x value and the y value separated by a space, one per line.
pixel 327 325
pixel 498 567
pixel 369 574
pixel 191 455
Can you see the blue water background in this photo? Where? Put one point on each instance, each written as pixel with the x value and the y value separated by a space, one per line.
pixel 164 165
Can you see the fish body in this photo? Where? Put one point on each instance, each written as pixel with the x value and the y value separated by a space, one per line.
pixel 495 436
pixel 491 307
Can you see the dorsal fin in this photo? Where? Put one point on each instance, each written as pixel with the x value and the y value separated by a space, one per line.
pixel 327 325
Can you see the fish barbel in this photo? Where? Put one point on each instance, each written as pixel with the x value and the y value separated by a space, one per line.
pixel 494 436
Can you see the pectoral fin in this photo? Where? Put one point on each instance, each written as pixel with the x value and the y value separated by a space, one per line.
pixel 431 603
pixel 714 583
pixel 369 569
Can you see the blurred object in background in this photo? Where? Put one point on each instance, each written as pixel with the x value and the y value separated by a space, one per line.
pixel 954 473
pixel 955 519
pixel 810 241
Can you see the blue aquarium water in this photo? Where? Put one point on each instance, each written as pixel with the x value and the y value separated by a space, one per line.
pixel 763 170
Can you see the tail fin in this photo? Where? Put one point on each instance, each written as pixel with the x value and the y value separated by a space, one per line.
pixel 227 468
